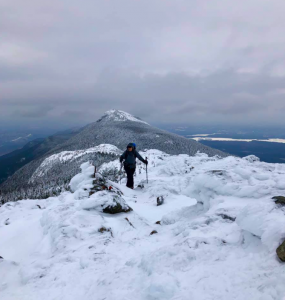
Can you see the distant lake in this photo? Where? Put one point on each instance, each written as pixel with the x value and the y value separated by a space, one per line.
pixel 268 152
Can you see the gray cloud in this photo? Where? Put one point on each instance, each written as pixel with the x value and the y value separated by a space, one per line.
pixel 165 61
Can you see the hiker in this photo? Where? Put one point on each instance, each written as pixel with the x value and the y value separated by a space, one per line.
pixel 129 157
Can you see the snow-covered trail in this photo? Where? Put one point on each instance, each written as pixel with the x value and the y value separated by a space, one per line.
pixel 217 239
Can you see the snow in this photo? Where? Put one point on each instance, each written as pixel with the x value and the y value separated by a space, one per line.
pixel 19 138
pixel 217 238
pixel 121 116
pixel 201 138
pixel 202 134
pixel 81 182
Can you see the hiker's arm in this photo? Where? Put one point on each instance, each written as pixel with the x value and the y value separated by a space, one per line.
pixel 123 156
pixel 139 157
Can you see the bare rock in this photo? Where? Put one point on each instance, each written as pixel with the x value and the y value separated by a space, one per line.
pixel 279 200
pixel 104 229
pixel 281 252
pixel 160 200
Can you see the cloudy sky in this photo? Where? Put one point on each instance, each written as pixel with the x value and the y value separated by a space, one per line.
pixel 66 62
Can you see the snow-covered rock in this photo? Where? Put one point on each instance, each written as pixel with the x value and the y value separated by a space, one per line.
pixel 265 221
pixel 107 202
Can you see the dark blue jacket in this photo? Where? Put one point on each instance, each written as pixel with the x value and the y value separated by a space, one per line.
pixel 130 158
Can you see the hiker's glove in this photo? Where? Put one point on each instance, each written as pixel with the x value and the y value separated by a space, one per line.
pixel 146 162
pixel 121 160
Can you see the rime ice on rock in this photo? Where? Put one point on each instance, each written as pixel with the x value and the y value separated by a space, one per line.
pixel 97 193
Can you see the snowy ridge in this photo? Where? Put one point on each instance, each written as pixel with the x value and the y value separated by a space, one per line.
pixel 218 232
pixel 116 128
pixel 121 116
pixel 67 156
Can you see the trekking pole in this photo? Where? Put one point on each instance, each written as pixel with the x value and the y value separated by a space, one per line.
pixel 146 171
pixel 121 172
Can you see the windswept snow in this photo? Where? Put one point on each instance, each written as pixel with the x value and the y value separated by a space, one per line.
pixel 121 116
pixel 218 232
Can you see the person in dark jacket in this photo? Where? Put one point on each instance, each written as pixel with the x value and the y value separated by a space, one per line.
pixel 129 157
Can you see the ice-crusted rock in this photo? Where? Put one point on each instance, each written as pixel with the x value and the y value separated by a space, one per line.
pixel 281 252
pixel 81 183
pixel 266 222
pixel 107 202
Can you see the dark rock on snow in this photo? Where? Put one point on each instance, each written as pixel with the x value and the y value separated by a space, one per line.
pixel 281 252
pixel 116 208
pixel 160 200
pixel 153 232
pixel 279 200
pixel 104 229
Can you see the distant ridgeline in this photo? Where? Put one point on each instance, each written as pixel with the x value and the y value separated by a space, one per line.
pixel 33 150
pixel 52 176
pixel 99 142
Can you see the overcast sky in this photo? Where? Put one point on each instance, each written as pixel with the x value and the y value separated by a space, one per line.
pixel 65 63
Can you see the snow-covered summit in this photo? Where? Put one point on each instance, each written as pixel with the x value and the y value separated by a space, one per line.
pixel 121 116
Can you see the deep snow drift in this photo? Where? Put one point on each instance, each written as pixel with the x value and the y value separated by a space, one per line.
pixel 218 232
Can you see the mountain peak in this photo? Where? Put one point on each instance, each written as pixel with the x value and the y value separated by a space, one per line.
pixel 121 116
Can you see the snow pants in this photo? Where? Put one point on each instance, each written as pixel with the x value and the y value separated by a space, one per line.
pixel 130 175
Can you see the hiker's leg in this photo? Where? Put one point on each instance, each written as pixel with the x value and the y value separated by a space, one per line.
pixel 129 176
pixel 132 177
